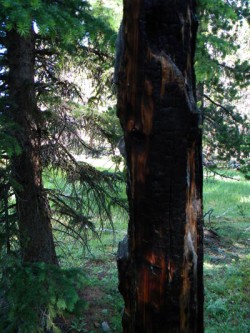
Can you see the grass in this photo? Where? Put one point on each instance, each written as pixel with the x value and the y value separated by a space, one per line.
pixel 227 279
pixel 227 259
pixel 227 296
pixel 226 264
pixel 226 197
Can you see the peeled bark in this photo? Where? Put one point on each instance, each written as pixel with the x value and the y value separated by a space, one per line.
pixel 161 274
pixel 32 205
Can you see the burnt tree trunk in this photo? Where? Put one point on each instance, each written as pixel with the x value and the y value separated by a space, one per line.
pixel 32 205
pixel 161 274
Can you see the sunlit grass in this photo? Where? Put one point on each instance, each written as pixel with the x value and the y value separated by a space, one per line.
pixel 226 262
pixel 227 198
pixel 227 297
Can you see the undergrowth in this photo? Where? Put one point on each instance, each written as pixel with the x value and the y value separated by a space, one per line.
pixel 84 291
pixel 226 264
pixel 35 294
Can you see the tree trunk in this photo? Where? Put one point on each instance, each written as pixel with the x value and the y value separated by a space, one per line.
pixel 161 274
pixel 33 209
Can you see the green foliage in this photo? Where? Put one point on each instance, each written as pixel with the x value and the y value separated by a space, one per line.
pixel 35 294
pixel 222 71
pixel 226 137
pixel 104 124
pixel 66 23
pixel 8 144
pixel 245 169
pixel 217 37
pixel 51 17
pixel 68 35
pixel 71 38
pixel 9 147
pixel 83 199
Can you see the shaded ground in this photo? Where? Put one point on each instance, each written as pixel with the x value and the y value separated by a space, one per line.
pixel 104 303
pixel 227 241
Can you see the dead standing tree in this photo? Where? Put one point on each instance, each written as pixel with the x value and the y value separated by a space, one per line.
pixel 161 275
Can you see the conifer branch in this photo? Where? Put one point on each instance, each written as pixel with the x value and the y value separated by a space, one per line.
pixel 222 107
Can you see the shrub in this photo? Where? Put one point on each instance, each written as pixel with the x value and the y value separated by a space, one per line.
pixel 35 294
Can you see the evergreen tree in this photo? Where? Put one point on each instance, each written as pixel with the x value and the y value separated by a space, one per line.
pixel 61 109
pixel 44 112
pixel 222 73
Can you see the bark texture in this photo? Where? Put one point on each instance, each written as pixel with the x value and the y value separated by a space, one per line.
pixel 161 275
pixel 32 205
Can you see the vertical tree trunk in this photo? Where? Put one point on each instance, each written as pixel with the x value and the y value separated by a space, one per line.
pixel 161 274
pixel 32 205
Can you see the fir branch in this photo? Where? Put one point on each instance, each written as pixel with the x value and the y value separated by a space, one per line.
pixel 222 107
pixel 70 231
pixel 102 55
pixel 221 175
pixel 45 52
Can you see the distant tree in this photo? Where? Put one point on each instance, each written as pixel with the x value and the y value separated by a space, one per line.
pixel 161 270
pixel 222 75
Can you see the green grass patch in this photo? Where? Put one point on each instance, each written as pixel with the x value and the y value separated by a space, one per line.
pixel 227 198
pixel 226 264
pixel 227 259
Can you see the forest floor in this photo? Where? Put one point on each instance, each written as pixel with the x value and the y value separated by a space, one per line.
pixel 226 278
pixel 226 267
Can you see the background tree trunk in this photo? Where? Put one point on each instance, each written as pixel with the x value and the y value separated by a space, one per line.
pixel 32 205
pixel 161 274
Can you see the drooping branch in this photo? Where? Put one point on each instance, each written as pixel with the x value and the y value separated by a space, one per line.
pixel 222 107
pixel 221 174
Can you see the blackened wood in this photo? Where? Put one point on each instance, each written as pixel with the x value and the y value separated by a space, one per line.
pixel 161 280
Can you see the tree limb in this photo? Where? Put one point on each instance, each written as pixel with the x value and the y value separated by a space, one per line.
pixel 222 107
pixel 221 175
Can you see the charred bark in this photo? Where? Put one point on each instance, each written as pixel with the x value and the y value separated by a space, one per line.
pixel 32 205
pixel 161 275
